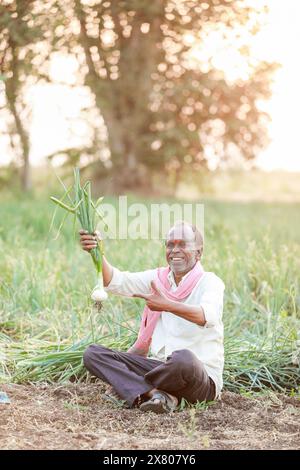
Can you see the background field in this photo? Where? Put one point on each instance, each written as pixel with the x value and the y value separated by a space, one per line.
pixel 47 320
pixel 177 101
pixel 45 286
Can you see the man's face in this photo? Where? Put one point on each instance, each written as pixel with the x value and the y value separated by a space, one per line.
pixel 181 249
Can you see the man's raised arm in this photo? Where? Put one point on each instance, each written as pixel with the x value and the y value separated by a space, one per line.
pixel 88 242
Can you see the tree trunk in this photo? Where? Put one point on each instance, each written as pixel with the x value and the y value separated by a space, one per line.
pixel 12 91
pixel 128 173
pixel 124 103
pixel 24 140
pixel 26 174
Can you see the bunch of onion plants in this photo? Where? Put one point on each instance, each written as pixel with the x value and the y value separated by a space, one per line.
pixel 82 208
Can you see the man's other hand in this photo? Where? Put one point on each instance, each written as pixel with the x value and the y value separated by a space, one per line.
pixel 156 301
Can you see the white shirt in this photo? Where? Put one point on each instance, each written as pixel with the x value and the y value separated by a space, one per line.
pixel 172 332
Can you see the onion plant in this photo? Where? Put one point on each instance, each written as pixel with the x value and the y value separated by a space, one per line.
pixel 83 209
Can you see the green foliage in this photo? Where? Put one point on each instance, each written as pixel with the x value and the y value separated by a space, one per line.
pixel 47 318
pixel 162 110
pixel 198 406
pixel 171 107
pixel 24 47
pixel 84 209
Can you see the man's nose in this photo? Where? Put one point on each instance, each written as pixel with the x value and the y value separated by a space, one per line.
pixel 176 249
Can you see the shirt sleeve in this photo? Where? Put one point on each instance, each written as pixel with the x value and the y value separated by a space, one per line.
pixel 127 283
pixel 212 303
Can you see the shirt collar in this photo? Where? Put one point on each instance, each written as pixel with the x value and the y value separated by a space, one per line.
pixel 171 278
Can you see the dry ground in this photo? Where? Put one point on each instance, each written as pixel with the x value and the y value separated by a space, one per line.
pixel 74 416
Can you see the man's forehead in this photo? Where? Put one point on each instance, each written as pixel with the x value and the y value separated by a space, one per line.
pixel 181 232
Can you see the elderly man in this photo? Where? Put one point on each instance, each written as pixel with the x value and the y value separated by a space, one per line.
pixel 181 325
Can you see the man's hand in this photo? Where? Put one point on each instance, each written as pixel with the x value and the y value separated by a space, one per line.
pixel 156 301
pixel 88 241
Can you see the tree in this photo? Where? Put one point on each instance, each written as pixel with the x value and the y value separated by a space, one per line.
pixel 22 26
pixel 161 111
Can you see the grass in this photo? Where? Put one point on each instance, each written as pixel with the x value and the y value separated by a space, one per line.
pixel 47 318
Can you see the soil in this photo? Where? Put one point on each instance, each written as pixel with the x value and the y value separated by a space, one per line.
pixel 74 416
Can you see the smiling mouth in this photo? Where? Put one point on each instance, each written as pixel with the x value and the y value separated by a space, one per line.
pixel 175 258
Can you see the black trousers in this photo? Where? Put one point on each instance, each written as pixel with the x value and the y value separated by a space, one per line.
pixel 183 374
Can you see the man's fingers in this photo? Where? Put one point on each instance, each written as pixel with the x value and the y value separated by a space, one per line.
pixel 141 296
pixel 88 241
pixel 89 246
pixel 88 237
pixel 92 237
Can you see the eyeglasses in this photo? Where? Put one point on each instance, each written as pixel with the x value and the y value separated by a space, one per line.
pixel 170 245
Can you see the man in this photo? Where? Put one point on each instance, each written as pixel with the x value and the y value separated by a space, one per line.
pixel 182 325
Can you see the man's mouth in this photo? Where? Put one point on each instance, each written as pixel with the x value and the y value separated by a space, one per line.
pixel 176 258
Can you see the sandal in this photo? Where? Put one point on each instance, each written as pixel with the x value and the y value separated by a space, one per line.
pixel 160 402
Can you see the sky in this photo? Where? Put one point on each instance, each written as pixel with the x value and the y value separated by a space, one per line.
pixel 280 42
pixel 55 106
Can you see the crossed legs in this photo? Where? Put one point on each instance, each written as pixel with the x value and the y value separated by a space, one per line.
pixel 131 376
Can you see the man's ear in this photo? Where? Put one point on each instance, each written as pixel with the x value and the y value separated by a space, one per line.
pixel 199 253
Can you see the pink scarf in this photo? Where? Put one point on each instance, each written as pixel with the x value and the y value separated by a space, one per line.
pixel 150 318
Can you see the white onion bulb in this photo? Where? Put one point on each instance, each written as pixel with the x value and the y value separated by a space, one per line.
pixel 98 294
